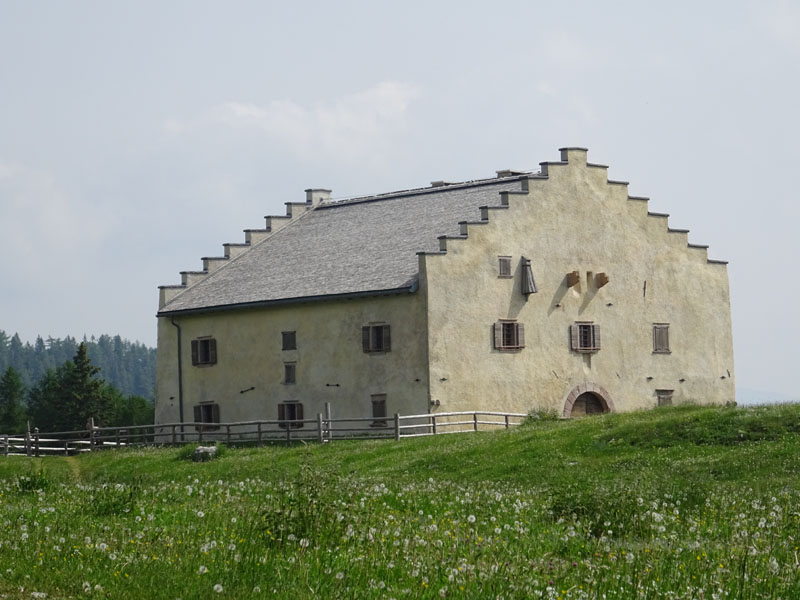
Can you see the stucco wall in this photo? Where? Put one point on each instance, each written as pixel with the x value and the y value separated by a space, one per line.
pixel 329 352
pixel 575 220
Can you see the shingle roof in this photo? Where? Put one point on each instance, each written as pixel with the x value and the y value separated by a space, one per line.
pixel 359 246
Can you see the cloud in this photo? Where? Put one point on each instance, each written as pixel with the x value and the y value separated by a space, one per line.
pixel 41 227
pixel 781 18
pixel 355 128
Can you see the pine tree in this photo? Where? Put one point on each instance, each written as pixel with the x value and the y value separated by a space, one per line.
pixel 12 397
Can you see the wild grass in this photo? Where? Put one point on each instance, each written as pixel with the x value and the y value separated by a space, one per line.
pixel 675 503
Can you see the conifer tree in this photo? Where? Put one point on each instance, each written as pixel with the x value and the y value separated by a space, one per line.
pixel 12 407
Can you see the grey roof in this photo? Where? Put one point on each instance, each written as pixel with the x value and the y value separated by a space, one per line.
pixel 353 247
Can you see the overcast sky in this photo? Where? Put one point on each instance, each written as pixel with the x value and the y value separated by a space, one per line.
pixel 137 137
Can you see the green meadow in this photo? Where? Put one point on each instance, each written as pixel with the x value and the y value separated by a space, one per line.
pixel 685 502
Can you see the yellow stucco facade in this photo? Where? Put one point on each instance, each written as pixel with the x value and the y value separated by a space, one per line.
pixel 633 273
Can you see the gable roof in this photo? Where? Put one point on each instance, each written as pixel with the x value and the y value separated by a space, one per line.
pixel 362 246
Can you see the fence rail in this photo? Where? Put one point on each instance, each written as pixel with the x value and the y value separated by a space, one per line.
pixel 321 429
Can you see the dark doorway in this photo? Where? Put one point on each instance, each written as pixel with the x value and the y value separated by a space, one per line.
pixel 588 404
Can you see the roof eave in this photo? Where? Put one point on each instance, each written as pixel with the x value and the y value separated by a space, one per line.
pixel 409 289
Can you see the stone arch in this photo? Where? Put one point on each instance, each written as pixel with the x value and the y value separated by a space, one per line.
pixel 593 390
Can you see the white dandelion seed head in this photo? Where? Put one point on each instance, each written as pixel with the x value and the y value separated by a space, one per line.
pixel 218 588
pixel 202 570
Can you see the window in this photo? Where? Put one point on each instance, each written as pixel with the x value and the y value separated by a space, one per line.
pixel 288 413
pixel 207 412
pixel 376 338
pixel 378 410
pixel 289 339
pixel 504 266
pixel 585 337
pixel 289 373
pixel 204 351
pixel 664 397
pixel 661 338
pixel 509 335
pixel 528 283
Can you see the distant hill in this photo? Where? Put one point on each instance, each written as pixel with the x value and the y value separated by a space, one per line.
pixel 128 366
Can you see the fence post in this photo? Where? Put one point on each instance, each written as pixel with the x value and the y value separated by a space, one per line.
pixel 259 433
pixel 28 440
pixel 5 442
pixel 199 434
pixel 433 421
pixel 91 434
pixel 289 433
pixel 36 442
pixel 320 436
pixel 66 447
pixel 174 437
pixel 396 426
pixel 328 420
pixel 475 421
pixel 117 436
pixel 228 434
pixel 506 421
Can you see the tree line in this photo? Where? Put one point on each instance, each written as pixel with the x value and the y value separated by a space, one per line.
pixel 66 396
pixel 128 366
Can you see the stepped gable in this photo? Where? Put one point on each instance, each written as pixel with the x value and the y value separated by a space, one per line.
pixel 360 246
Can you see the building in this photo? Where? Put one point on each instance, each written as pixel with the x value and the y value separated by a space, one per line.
pixel 552 291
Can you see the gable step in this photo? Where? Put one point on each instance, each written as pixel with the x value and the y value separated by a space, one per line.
pixel 212 263
pixel 189 278
pixel 274 222
pixel 234 250
pixel 253 236
pixel 444 238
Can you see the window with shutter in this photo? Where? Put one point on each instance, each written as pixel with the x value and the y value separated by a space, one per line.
pixel 584 337
pixel 378 410
pixel 509 335
pixel 504 266
pixel 289 340
pixel 289 373
pixel 290 414
pixel 376 338
pixel 204 351
pixel 664 397
pixel 661 338
pixel 206 413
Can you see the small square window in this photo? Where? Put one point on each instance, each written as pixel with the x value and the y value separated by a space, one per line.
pixel 206 412
pixel 378 410
pixel 585 337
pixel 289 339
pixel 664 397
pixel 290 414
pixel 509 335
pixel 661 338
pixel 376 338
pixel 504 266
pixel 204 351
pixel 289 373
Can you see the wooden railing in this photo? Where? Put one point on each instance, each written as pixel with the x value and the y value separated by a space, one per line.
pixel 321 429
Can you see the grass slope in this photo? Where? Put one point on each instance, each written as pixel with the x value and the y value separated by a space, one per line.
pixel 684 502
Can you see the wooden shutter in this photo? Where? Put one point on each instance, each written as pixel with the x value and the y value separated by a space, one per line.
pixel 195 351
pixel 596 335
pixel 575 336
pixel 520 335
pixel 282 412
pixel 365 338
pixel 215 413
pixel 198 414
pixel 387 338
pixel 212 351
pixel 298 413
pixel 498 335
pixel 528 284
pixel 661 338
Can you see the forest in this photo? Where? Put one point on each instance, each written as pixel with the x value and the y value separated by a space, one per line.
pixel 58 384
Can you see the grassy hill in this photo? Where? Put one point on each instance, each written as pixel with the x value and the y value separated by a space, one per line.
pixel 683 502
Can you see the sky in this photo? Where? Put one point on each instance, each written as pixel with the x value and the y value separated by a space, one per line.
pixel 138 137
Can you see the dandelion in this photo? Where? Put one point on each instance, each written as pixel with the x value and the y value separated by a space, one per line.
pixel 471 518
pixel 202 570
pixel 339 575
pixel 218 588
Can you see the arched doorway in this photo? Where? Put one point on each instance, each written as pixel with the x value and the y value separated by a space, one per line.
pixel 587 399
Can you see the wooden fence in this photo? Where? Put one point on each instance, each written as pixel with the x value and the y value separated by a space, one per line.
pixel 321 429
